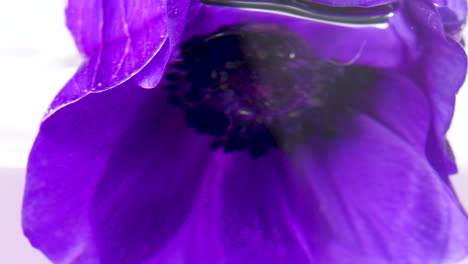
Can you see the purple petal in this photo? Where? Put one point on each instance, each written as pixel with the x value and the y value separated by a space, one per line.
pixel 150 75
pixel 177 14
pixel 443 73
pixel 370 196
pixel 85 19
pixel 91 157
pixel 129 183
pixel 400 105
pixel 118 37
pixel 453 14
pixel 386 201
pixel 95 23
pixel 329 203
pixel 438 65
pixel 147 189
pixel 458 7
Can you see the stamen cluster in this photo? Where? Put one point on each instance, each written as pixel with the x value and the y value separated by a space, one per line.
pixel 256 87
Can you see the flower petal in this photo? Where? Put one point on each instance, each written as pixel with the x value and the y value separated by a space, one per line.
pixel 129 183
pixel 443 79
pixel 438 64
pixel 385 202
pixel 399 105
pixel 330 202
pixel 454 15
pixel 150 75
pixel 118 37
pixel 95 23
pixel 239 216
pixel 147 189
pixel 91 157
pixel 177 14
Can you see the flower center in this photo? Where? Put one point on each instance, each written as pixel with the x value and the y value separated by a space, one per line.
pixel 256 87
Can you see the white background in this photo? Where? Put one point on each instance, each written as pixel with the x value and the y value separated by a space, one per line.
pixel 37 56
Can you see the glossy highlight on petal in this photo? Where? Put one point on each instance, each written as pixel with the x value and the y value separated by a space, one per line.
pixel 314 11
pixel 358 3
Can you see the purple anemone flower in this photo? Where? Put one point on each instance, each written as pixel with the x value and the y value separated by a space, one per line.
pixel 246 132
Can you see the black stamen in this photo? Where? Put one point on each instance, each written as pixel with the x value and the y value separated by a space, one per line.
pixel 256 87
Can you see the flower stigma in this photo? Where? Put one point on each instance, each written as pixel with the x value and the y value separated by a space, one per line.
pixel 258 86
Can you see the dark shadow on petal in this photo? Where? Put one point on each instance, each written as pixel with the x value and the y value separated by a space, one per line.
pixel 384 200
pixel 66 163
pixel 261 220
pixel 398 104
pixel 149 184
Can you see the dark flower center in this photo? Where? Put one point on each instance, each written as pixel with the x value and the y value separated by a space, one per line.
pixel 256 87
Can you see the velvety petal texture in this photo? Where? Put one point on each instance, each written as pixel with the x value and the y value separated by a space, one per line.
pixel 117 175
